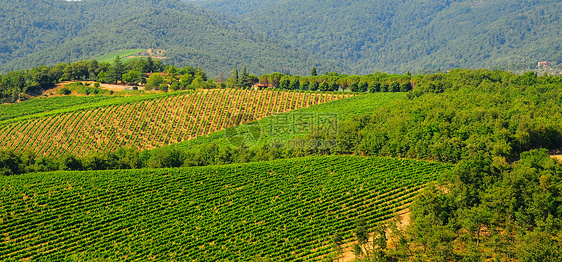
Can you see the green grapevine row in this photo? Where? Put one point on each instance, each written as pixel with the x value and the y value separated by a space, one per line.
pixel 287 209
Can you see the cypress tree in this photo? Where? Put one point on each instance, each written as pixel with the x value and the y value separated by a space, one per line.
pixel 117 70
pixel 244 79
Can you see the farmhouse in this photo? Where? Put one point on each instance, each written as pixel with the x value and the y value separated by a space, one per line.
pixel 260 86
pixel 544 65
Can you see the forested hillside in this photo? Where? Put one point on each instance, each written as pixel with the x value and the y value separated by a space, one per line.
pixel 412 35
pixel 234 8
pixel 288 36
pixel 72 31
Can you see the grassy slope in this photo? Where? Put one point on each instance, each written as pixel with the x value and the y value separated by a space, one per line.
pixel 341 109
pixel 287 209
pixel 41 107
pixel 122 54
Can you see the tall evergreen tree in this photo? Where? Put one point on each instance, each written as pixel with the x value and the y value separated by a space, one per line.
pixel 244 79
pixel 234 78
pixel 149 65
pixel 117 70
pixel 200 73
pixel 314 73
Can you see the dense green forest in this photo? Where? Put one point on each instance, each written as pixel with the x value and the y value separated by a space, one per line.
pixel 72 31
pixel 412 35
pixel 352 37
pixel 234 8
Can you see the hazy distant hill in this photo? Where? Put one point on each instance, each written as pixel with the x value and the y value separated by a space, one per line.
pixel 414 35
pixel 60 31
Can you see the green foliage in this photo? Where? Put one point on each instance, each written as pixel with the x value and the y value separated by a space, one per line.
pixel 513 212
pixel 116 70
pixel 80 88
pixel 43 107
pixel 411 35
pixel 246 210
pixel 132 77
pixel 9 163
pixel 154 81
pixel 64 91
pixel 78 30
pixel 460 115
pixel 111 56
pixel 38 105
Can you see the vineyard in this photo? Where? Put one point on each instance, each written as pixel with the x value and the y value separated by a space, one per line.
pixel 148 123
pixel 286 209
pixel 342 110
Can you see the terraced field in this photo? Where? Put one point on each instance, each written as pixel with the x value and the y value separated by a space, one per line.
pixel 148 123
pixel 286 210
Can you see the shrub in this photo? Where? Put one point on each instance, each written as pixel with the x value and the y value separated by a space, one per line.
pixel 64 91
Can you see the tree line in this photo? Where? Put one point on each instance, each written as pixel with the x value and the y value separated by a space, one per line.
pixel 22 84
pixel 153 74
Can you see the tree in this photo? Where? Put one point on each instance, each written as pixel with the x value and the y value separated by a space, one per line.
pixel 333 86
pixel 304 83
pixel 150 66
pixel 314 73
pixel 132 77
pixel 394 87
pixel 354 87
pixel 234 79
pixel 324 86
pixel 154 81
pixel 360 232
pixel 363 86
pixel 186 80
pixel 201 74
pixel 285 82
pixel 274 79
pixel 313 86
pixel 337 240
pixel 102 76
pixel 244 79
pixel 117 70
pixel 294 84
pixel 405 87
pixel 9 162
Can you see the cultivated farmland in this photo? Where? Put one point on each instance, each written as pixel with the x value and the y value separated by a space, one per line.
pixel 149 123
pixel 286 209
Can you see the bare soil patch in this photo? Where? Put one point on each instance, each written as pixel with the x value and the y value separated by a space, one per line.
pixel 348 255
pixel 556 154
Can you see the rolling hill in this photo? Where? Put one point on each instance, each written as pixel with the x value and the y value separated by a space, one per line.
pixel 72 31
pixel 142 121
pixel 411 35
pixel 285 210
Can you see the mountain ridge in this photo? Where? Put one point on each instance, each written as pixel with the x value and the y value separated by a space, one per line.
pixel 413 35
pixel 193 36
